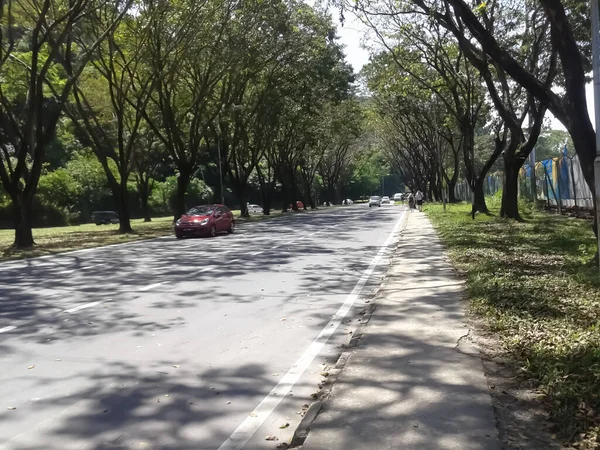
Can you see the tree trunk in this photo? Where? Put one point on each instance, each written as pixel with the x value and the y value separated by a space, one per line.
pixel 23 221
pixel 146 210
pixel 183 181
pixel 240 190
pixel 122 200
pixel 144 193
pixel 478 204
pixel 510 202
pixel 451 194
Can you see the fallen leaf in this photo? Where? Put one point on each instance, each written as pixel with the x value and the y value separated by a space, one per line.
pixel 167 395
pixel 283 445
pixel 284 426
pixel 31 367
pixel 275 374
pixel 253 414
pixel 271 438
pixel 12 408
pixel 176 366
pixel 229 403
pixel 325 374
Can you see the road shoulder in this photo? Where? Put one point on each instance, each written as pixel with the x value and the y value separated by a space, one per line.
pixel 416 381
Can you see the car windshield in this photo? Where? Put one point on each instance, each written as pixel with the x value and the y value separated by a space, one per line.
pixel 201 211
pixel 375 198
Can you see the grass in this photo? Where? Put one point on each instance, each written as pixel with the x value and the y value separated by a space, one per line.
pixel 536 288
pixel 63 239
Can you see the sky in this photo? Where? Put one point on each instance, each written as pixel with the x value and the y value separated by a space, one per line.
pixel 353 33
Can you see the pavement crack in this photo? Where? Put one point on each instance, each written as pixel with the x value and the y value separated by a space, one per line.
pixel 464 336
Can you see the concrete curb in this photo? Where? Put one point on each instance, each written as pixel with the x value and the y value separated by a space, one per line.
pixel 316 407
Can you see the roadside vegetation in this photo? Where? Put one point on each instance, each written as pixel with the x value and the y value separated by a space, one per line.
pixel 537 289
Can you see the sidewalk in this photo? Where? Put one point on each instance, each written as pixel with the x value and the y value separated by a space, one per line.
pixel 414 381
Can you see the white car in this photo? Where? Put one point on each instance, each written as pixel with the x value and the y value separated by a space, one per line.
pixel 347 202
pixel 398 197
pixel 254 209
pixel 375 200
pixel 385 200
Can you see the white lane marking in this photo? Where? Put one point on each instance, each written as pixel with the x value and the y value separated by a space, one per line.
pixel 7 329
pixel 80 307
pixel 206 269
pixel 94 266
pixel 151 286
pixel 251 424
pixel 257 253
pixel 65 272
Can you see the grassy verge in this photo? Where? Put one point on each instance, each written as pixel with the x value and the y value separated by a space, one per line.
pixel 64 239
pixel 534 285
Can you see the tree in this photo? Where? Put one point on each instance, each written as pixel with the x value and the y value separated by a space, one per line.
pixel 532 45
pixel 39 64
pixel 188 53
pixel 148 155
pixel 572 47
pixel 110 99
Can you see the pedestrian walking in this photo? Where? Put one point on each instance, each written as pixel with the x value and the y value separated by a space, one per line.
pixel 419 200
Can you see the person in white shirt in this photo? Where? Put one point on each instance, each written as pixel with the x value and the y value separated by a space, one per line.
pixel 419 199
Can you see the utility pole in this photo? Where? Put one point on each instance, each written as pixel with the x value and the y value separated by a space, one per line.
pixel 596 65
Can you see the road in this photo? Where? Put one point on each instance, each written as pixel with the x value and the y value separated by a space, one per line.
pixel 184 344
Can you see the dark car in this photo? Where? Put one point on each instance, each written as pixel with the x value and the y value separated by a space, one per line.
pixel 205 220
pixel 105 217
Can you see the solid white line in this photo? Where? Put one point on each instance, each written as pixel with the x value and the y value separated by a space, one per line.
pixel 94 266
pixel 206 269
pixel 151 286
pixel 65 272
pixel 251 424
pixel 7 329
pixel 80 307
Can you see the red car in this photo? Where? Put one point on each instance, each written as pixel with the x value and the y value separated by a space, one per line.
pixel 299 204
pixel 206 220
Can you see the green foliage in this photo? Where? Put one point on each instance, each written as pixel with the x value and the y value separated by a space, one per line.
pixel 60 188
pixel 535 285
pixel 551 144
pixel 162 198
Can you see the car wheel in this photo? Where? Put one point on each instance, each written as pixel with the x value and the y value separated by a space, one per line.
pixel 213 231
pixel 231 227
pixel 179 236
pixel 370 206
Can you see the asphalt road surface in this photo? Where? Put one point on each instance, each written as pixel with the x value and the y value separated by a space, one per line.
pixel 184 344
